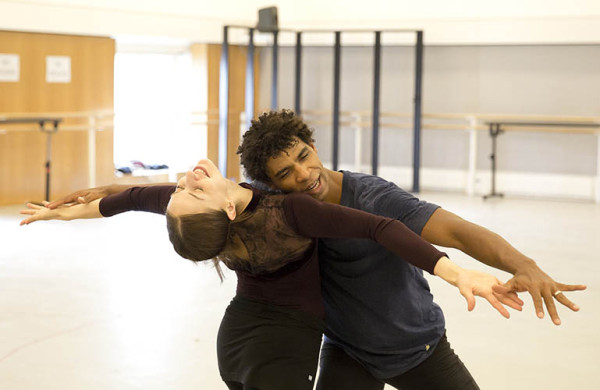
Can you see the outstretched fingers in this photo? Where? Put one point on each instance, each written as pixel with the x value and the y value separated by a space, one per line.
pixel 468 294
pixel 509 298
pixel 548 297
pixel 34 210
pixel 543 293
pixel 76 197
pixel 496 304
pixel 562 298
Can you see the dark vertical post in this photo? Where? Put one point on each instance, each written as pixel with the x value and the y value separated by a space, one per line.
pixel 250 79
pixel 48 159
pixel 275 71
pixel 297 94
pixel 495 131
pixel 376 85
pixel 417 112
pixel 223 103
pixel 336 99
pixel 47 165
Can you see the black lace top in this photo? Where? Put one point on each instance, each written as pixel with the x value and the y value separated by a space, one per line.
pixel 273 244
pixel 261 240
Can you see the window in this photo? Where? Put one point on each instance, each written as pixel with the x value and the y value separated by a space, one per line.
pixel 153 111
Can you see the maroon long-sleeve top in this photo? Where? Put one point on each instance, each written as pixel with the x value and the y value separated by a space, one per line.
pixel 273 244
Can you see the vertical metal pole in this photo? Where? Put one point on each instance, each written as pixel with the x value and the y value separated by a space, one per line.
pixel 275 72
pixel 376 85
pixel 494 131
pixel 223 103
pixel 48 164
pixel 417 112
pixel 298 74
pixel 48 159
pixel 48 154
pixel 250 79
pixel 336 99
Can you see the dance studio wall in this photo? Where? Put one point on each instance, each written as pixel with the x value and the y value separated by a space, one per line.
pixel 539 80
pixel 207 59
pixel 23 153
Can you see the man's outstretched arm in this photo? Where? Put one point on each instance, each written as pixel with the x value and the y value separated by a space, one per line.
pixel 90 194
pixel 449 230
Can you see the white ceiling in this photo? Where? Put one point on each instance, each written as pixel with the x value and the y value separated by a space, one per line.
pixel 445 21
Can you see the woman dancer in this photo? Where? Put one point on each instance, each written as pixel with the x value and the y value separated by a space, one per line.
pixel 271 332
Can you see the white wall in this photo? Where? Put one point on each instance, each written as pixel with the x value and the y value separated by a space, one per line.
pixel 557 80
pixel 445 22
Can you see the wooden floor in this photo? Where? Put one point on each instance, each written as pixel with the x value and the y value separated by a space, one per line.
pixel 106 304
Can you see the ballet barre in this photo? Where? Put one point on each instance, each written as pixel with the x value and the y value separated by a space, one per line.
pixel 473 124
pixel 497 127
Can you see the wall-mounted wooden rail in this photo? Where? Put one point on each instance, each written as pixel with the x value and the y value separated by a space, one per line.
pixel 472 123
pixel 498 126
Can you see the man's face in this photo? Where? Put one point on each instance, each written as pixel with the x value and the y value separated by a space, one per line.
pixel 298 169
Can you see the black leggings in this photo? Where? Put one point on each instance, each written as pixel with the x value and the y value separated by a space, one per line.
pixel 238 386
pixel 267 347
pixel 443 370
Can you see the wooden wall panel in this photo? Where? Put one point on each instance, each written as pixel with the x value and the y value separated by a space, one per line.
pixel 105 166
pixel 90 89
pixel 22 167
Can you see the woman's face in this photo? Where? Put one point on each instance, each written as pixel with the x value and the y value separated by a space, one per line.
pixel 202 189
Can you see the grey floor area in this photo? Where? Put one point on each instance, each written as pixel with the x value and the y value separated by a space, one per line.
pixel 106 304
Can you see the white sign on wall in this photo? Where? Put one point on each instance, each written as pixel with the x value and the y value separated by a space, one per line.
pixel 10 68
pixel 58 69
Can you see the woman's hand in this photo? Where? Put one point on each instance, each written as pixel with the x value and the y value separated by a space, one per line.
pixel 471 283
pixel 37 213
pixel 66 213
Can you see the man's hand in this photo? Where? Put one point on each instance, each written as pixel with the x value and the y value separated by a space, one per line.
pixel 542 288
pixel 449 230
pixel 471 283
pixel 88 195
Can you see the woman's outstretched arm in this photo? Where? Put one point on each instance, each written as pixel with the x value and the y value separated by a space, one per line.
pixel 313 218
pixel 151 199
pixel 43 213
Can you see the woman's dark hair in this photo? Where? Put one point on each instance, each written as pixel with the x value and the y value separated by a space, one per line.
pixel 268 136
pixel 199 237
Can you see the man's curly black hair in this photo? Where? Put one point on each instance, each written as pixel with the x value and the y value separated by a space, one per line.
pixel 271 134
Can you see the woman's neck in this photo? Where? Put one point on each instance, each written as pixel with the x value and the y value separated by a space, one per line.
pixel 240 196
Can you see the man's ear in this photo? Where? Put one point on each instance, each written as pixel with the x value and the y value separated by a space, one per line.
pixel 230 210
